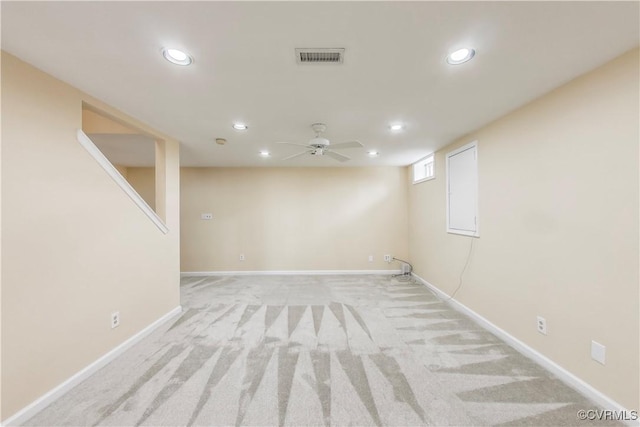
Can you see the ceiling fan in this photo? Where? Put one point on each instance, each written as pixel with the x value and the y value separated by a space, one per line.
pixel 320 146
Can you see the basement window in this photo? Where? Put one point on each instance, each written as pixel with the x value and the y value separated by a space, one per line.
pixel 424 169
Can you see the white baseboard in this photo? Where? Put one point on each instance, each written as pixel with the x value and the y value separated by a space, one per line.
pixel 285 272
pixel 46 399
pixel 565 376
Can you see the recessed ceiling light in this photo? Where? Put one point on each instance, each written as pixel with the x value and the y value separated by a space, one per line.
pixel 265 153
pixel 240 126
pixel 373 153
pixel 396 127
pixel 460 56
pixel 176 56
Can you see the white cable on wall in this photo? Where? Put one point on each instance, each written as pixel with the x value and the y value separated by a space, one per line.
pixel 464 269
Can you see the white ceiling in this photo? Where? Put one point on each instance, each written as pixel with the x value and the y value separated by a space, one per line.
pixel 245 69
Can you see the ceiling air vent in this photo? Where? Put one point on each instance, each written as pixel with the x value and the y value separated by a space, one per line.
pixel 320 56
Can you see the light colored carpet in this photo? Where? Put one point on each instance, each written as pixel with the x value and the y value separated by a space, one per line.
pixel 317 350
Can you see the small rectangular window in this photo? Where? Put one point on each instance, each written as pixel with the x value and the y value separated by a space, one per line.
pixel 424 169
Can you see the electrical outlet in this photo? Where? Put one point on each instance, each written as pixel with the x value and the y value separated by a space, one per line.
pixel 241 257
pixel 370 258
pixel 542 325
pixel 387 258
pixel 598 352
pixel 115 319
pixel 206 216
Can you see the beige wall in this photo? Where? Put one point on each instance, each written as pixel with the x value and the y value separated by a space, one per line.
pixel 122 170
pixel 98 122
pixel 143 180
pixel 558 216
pixel 293 218
pixel 74 247
pixel 1 413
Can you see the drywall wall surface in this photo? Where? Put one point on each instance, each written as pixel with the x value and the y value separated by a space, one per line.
pixel 122 170
pixel 75 248
pixel 93 122
pixel 143 180
pixel 1 417
pixel 558 221
pixel 293 218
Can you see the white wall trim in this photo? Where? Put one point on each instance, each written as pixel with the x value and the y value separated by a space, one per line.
pixel 565 376
pixel 285 272
pixel 46 399
pixel 95 152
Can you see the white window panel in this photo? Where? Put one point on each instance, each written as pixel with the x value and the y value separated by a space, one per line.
pixel 462 190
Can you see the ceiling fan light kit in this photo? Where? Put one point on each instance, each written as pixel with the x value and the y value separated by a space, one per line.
pixel 319 146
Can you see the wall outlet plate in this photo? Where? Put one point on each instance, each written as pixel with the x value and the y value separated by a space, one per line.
pixel 241 257
pixel 542 325
pixel 370 258
pixel 387 258
pixel 206 216
pixel 115 319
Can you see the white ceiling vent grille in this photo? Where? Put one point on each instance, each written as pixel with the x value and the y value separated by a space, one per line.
pixel 320 56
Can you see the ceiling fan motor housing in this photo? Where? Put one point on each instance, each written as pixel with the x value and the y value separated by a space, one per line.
pixel 318 141
pixel 320 146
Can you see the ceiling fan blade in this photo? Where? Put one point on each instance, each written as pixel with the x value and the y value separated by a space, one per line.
pixel 297 155
pixel 339 157
pixel 350 144
pixel 293 143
